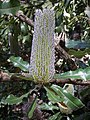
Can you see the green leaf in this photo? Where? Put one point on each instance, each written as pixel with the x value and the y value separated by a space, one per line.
pixel 77 44
pixel 55 117
pixel 79 53
pixel 18 62
pixel 69 100
pixel 11 99
pixel 48 106
pixel 24 29
pixel 53 95
pixel 32 108
pixel 10 6
pixel 77 74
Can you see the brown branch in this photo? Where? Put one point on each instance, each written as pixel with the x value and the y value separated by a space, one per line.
pixel 60 46
pixel 25 19
pixel 74 82
pixel 4 77
pixel 66 56
pixel 60 50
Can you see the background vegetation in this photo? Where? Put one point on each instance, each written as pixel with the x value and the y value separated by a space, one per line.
pixel 21 98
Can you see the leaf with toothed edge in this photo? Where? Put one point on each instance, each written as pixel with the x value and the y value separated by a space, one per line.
pixel 18 62
pixel 69 100
pixel 83 74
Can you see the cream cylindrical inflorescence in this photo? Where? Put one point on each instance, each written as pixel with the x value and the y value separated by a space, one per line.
pixel 43 50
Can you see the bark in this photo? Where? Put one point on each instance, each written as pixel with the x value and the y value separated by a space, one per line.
pixel 5 77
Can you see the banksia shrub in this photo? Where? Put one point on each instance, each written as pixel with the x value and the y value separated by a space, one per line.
pixel 42 54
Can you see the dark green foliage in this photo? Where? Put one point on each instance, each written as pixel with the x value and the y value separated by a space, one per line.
pixel 11 6
pixel 15 45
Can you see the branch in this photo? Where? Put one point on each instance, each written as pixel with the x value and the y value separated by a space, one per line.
pixel 60 50
pixel 25 19
pixel 74 82
pixel 66 56
pixel 5 77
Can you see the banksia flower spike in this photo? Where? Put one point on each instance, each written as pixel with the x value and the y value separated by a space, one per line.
pixel 42 54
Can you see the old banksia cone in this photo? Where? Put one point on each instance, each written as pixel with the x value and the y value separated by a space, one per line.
pixel 42 54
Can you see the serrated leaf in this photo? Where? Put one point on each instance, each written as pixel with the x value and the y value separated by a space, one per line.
pixel 10 6
pixel 77 74
pixel 69 100
pixel 53 96
pixel 11 99
pixel 32 108
pixel 18 62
